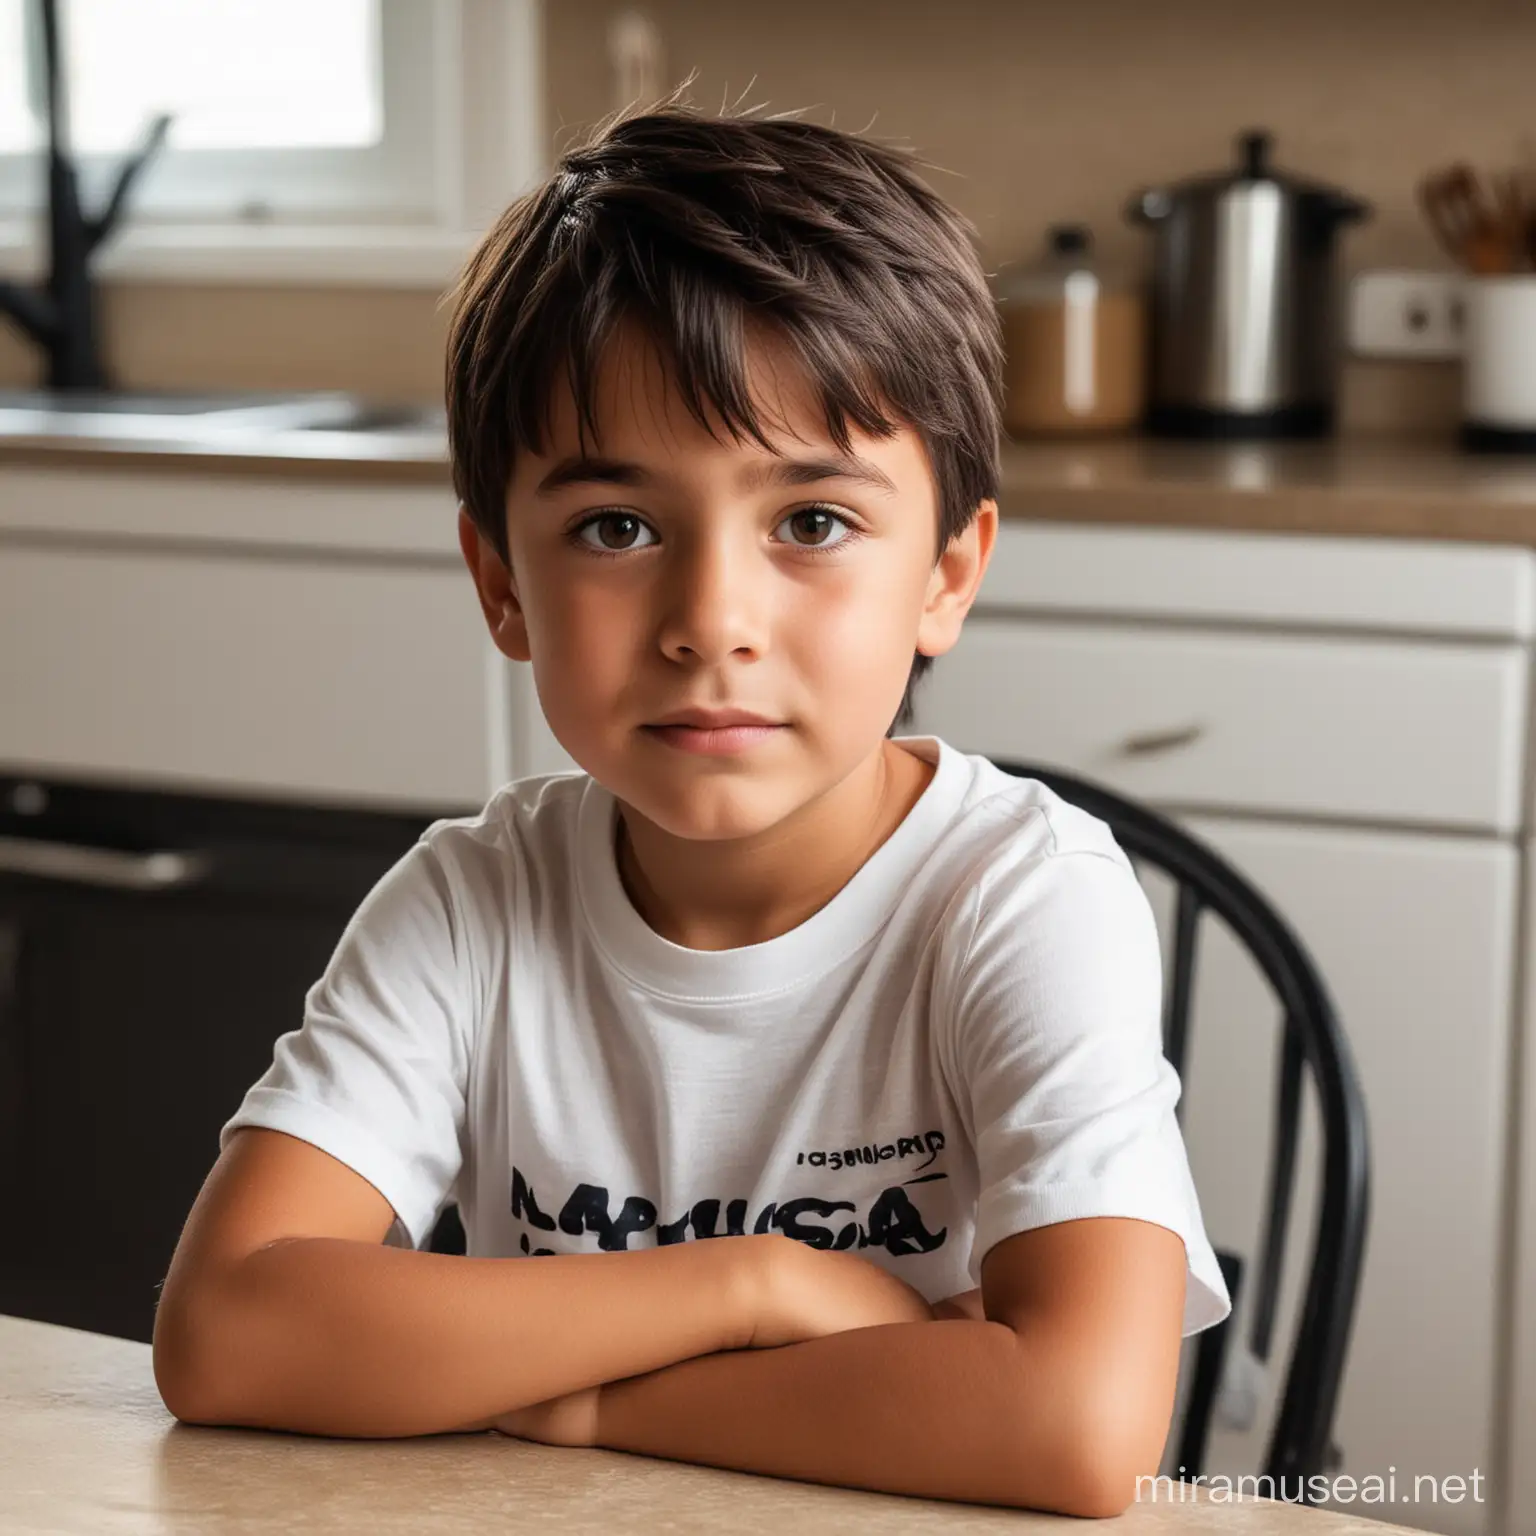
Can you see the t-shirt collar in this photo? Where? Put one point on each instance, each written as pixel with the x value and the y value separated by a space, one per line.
pixel 828 937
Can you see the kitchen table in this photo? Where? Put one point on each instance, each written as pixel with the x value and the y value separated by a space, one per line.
pixel 86 1445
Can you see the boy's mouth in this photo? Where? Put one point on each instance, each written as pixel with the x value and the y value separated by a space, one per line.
pixel 705 719
pixel 716 741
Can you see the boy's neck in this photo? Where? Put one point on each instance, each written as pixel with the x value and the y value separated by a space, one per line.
pixel 712 895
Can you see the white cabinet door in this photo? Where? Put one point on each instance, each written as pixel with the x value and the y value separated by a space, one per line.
pixel 346 681
pixel 1414 936
pixel 1522 1457
pixel 1352 729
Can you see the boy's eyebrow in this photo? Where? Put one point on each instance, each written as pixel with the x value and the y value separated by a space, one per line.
pixel 580 470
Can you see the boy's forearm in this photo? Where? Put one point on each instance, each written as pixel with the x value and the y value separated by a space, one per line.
pixel 948 1410
pixel 333 1337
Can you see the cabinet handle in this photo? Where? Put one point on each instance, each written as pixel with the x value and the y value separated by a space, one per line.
pixel 1151 742
pixel 84 865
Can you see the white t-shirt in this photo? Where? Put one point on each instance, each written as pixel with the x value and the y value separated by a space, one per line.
pixel 962 1044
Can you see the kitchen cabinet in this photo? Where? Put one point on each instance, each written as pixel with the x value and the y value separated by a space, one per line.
pixel 311 641
pixel 1522 1374
pixel 352 683
pixel 1363 762
pixel 1346 718
pixel 133 1018
pixel 274 687
pixel 1356 728
pixel 324 660
pixel 1415 934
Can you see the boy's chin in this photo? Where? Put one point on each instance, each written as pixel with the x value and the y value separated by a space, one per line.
pixel 704 811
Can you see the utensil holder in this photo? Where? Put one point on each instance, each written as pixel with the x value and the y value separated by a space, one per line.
pixel 1498 399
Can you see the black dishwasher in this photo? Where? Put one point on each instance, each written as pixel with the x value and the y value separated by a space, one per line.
pixel 153 946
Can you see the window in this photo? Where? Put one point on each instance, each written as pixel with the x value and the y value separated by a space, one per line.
pixel 230 71
pixel 287 115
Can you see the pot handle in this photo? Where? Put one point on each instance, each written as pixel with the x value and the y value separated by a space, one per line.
pixel 1344 209
pixel 1322 217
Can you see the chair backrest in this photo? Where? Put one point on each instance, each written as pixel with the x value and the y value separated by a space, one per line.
pixel 1300 1443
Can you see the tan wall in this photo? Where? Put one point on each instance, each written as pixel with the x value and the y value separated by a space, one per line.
pixel 380 342
pixel 1038 110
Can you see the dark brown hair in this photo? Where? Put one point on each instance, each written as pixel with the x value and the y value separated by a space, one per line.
pixel 696 227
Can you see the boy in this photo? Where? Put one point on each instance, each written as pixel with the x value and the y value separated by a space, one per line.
pixel 723 404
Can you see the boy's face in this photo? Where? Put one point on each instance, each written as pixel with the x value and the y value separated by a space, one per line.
pixel 674 568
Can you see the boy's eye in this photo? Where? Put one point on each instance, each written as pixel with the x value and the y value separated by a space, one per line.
pixel 618 531
pixel 817 521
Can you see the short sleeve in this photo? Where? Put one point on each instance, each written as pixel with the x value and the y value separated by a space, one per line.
pixel 1058 1048
pixel 377 1073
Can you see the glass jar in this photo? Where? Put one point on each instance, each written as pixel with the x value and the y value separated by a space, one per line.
pixel 1075 339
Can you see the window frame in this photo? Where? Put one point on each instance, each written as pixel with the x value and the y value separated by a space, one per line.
pixel 466 139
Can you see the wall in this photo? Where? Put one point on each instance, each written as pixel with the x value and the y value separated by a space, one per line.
pixel 379 342
pixel 1036 111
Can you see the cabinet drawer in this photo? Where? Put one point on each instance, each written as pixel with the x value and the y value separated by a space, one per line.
pixel 1378 730
pixel 341 681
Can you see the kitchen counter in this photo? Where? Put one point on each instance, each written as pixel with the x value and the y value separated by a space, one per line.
pixel 1363 487
pixel 87 1446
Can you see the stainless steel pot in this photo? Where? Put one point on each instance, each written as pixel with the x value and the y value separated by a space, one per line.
pixel 1244 304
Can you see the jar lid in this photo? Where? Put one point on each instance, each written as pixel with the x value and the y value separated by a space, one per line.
pixel 1042 279
pixel 1069 239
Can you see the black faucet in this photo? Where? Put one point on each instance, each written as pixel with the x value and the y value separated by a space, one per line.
pixel 60 316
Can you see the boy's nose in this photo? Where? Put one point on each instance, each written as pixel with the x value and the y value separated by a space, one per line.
pixel 715 601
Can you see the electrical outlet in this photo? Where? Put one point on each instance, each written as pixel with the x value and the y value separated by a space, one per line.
pixel 1406 314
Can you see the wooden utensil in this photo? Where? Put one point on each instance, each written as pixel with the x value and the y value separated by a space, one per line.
pixel 1525 219
pixel 1464 220
pixel 1509 194
pixel 1526 174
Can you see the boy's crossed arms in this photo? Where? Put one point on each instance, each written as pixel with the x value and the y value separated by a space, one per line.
pixel 1051 1388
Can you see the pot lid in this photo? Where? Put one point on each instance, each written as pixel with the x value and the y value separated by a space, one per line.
pixel 1254 163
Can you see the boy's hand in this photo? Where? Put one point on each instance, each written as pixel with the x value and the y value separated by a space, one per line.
pixel 807 1293
pixel 967 1304
pixel 570 1420
pixel 800 1293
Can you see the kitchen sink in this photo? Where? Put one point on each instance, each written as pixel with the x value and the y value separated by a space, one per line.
pixel 134 414
pixel 310 425
pixel 126 403
pixel 384 418
pixel 288 426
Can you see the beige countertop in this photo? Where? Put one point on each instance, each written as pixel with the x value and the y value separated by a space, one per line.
pixel 1371 487
pixel 87 1446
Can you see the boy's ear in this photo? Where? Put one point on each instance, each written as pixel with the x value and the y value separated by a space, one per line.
pixel 952 587
pixel 497 589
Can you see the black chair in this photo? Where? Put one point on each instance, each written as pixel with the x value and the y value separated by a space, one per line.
pixel 1301 1443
